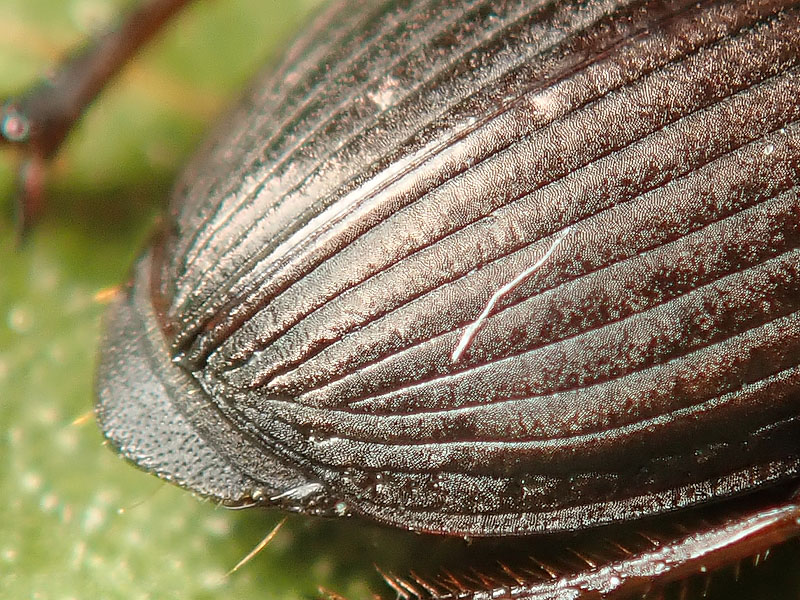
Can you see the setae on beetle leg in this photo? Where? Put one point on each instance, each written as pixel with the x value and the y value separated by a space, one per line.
pixel 632 573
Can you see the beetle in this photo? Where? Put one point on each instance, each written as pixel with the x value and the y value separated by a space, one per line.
pixel 493 285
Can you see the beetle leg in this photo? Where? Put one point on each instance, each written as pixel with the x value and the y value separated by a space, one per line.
pixel 41 118
pixel 30 193
pixel 701 551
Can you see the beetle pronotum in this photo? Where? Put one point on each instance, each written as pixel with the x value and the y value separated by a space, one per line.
pixel 489 270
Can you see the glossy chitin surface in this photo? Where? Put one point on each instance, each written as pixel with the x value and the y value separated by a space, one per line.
pixel 483 268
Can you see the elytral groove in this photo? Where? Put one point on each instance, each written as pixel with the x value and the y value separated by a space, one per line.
pixel 258 381
pixel 486 269
pixel 419 385
pixel 420 84
pixel 283 128
pixel 236 359
pixel 320 305
pixel 393 430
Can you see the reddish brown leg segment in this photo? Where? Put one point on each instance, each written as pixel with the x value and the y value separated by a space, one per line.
pixel 40 120
pixel 695 553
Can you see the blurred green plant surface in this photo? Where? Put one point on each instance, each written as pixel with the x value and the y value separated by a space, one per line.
pixel 77 522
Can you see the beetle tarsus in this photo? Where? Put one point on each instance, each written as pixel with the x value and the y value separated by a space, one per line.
pixel 29 199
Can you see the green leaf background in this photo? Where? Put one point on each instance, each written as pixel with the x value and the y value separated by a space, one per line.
pixel 76 521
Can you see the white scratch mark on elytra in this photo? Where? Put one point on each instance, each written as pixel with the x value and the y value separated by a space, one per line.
pixel 469 332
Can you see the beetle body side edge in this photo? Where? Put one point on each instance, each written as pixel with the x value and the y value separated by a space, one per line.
pixel 293 336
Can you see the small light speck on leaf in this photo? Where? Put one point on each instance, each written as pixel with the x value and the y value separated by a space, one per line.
pixel 49 502
pixel 213 579
pixel 31 481
pixel 67 440
pixel 57 352
pixel 217 525
pixel 20 319
pixel 93 519
pixel 9 555
pixel 91 16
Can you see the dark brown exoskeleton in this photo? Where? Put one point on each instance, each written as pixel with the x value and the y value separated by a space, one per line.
pixel 489 269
